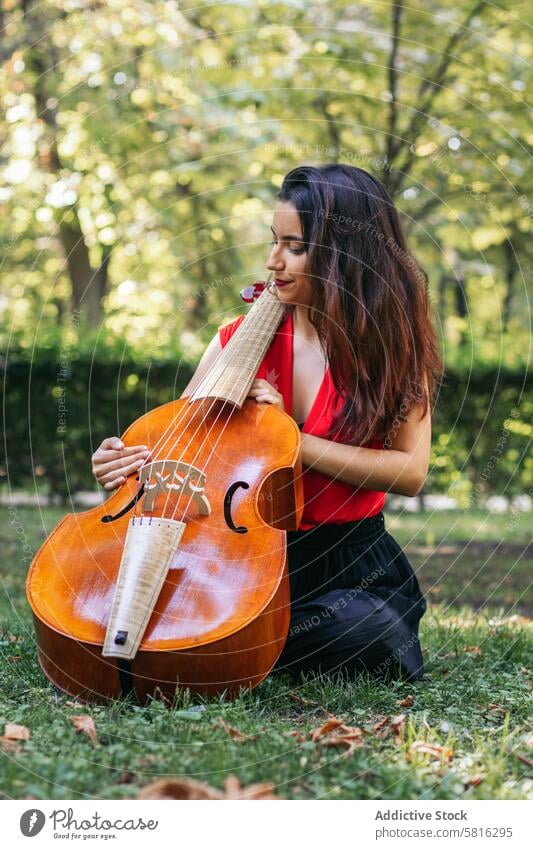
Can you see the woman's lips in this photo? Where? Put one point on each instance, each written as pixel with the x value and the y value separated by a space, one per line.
pixel 281 283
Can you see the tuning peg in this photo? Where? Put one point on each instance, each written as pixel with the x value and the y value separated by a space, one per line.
pixel 251 293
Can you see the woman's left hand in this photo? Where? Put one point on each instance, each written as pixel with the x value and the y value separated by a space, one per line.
pixel 261 390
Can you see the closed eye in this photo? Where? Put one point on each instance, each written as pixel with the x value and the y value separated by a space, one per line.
pixel 292 250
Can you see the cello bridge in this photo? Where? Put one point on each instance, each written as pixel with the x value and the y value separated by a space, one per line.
pixel 174 477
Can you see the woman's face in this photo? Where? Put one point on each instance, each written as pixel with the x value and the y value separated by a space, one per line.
pixel 288 257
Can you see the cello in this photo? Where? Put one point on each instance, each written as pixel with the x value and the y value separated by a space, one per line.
pixel 180 579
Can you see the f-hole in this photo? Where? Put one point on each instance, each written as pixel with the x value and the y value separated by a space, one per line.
pixel 227 506
pixel 126 509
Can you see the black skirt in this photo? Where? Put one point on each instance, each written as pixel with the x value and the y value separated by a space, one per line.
pixel 355 603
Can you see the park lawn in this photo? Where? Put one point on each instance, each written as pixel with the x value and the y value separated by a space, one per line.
pixel 470 557
pixel 474 701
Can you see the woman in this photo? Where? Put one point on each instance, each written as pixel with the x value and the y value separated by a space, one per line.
pixel 355 362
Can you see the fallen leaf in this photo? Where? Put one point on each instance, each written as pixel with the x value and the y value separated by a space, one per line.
pixel 13 658
pixel 498 709
pixel 344 732
pixel 299 736
pixel 474 781
pixel 472 649
pixel 188 788
pixel 389 725
pixel 234 733
pixel 10 746
pixel 381 725
pixel 434 749
pixel 234 790
pixel 396 726
pixel 352 738
pixel 172 788
pixel 407 702
pixel 16 732
pixel 331 723
pixel 335 733
pixel 85 725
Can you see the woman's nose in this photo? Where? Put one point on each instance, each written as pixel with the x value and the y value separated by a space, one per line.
pixel 275 263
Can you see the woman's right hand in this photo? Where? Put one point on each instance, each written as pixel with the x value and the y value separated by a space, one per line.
pixel 112 462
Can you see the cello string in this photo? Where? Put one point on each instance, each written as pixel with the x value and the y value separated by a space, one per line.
pixel 200 386
pixel 200 447
pixel 208 458
pixel 267 285
pixel 157 450
pixel 193 409
pixel 200 424
pixel 190 407
pixel 165 436
pixel 222 407
pixel 190 410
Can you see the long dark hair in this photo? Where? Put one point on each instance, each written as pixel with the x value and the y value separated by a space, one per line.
pixel 370 304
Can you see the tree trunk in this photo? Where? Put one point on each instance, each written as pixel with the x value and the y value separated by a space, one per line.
pixel 88 285
pixel 400 143
pixel 461 299
pixel 510 263
pixel 442 295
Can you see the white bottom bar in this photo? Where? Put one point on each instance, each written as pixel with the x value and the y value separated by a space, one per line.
pixel 352 824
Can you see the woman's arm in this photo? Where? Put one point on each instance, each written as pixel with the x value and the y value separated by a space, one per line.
pixel 402 468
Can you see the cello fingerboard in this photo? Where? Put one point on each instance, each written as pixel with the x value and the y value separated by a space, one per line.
pixel 234 370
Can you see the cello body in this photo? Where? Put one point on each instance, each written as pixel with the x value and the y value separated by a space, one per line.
pixel 221 617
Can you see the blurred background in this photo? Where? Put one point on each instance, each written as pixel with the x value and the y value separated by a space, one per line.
pixel 141 148
pixel 142 145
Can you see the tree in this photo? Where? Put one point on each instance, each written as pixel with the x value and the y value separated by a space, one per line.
pixel 145 144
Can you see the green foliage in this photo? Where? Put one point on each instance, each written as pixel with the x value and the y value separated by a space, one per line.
pixel 61 403
pixel 146 144
pixel 482 434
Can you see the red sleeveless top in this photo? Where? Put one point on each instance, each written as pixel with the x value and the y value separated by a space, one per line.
pixel 326 500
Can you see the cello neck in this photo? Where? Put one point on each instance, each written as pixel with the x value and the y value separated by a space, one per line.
pixel 234 370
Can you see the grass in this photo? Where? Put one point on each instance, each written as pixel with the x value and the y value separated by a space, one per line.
pixel 474 699
pixel 470 557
